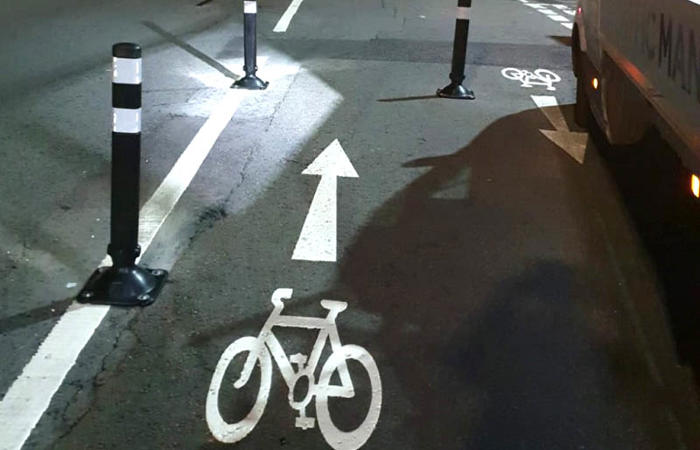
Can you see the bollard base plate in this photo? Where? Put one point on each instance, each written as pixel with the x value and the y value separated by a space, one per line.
pixel 250 82
pixel 457 91
pixel 126 286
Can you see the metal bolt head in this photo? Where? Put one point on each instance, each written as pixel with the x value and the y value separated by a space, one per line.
pixel 157 273
pixel 87 294
pixel 144 298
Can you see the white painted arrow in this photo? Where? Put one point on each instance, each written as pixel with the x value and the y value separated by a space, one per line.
pixel 572 142
pixel 318 238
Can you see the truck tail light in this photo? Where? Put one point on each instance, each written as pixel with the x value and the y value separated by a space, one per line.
pixel 695 185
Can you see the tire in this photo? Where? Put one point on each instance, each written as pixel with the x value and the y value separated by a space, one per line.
pixel 234 432
pixel 626 111
pixel 582 109
pixel 336 438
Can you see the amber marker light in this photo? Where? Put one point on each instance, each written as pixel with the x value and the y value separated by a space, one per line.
pixel 595 83
pixel 695 185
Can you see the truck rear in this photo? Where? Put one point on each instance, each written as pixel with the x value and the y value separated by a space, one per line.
pixel 637 64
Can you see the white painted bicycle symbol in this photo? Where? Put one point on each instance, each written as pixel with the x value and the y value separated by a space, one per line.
pixel 259 349
pixel 540 77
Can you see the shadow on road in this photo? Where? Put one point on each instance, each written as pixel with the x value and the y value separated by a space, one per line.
pixel 501 324
pixel 655 188
pixel 496 322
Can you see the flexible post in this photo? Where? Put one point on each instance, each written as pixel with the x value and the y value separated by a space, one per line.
pixel 125 283
pixel 250 80
pixel 459 55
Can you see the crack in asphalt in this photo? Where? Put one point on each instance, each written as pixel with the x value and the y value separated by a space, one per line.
pixel 73 412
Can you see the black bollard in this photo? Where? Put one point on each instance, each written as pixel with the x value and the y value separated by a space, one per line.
pixel 250 80
pixel 125 283
pixel 459 56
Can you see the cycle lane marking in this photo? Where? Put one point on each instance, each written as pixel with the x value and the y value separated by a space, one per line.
pixel 318 238
pixel 265 348
pixel 574 143
pixel 538 77
pixel 286 18
pixel 30 394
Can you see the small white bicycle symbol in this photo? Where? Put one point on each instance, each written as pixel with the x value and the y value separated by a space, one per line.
pixel 540 77
pixel 259 350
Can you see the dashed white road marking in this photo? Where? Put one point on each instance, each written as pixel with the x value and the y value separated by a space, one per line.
pixel 565 9
pixel 30 395
pixel 544 9
pixel 286 18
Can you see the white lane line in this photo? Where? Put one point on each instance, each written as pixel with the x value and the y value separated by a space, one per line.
pixel 568 25
pixel 30 394
pixel 286 18
pixel 159 206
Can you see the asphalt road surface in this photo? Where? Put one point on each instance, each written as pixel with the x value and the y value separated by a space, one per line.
pixel 504 287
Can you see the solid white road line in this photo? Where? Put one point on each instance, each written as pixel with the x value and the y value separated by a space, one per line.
pixel 286 18
pixel 157 209
pixel 30 394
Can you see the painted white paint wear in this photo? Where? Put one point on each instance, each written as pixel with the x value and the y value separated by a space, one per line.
pixel 455 188
pixel 126 120
pixel 163 200
pixel 250 7
pixel 126 70
pixel 540 77
pixel 286 18
pixel 572 142
pixel 265 348
pixel 558 18
pixel 30 394
pixel 318 238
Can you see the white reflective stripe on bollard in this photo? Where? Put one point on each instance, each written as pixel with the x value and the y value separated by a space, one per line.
pixel 126 70
pixel 250 7
pixel 126 120
pixel 463 12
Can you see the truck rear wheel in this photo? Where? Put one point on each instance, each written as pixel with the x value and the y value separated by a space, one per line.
pixel 582 109
pixel 626 110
